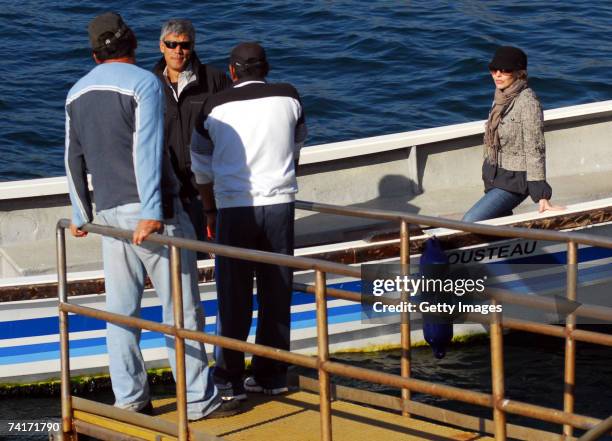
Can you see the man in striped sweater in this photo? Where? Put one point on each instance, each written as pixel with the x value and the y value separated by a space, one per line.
pixel 114 130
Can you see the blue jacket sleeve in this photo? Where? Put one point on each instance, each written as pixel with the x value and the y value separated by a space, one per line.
pixel 148 147
pixel 76 173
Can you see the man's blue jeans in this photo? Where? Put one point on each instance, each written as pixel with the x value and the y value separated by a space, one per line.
pixel 125 265
pixel 495 203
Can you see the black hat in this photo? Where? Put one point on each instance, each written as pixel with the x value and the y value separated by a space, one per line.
pixel 107 23
pixel 247 55
pixel 509 58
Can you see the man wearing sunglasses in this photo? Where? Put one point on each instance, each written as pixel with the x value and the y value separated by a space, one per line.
pixel 187 84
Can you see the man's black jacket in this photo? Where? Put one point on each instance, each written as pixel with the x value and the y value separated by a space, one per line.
pixel 181 117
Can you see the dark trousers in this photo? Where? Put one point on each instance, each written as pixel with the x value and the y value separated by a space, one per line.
pixel 266 228
pixel 193 207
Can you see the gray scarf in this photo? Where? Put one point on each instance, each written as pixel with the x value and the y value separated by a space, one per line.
pixel 503 99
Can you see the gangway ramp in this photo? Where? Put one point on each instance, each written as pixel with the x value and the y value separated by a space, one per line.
pixel 294 417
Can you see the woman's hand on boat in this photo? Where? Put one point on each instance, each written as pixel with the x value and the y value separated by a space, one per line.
pixel 74 230
pixel 144 228
pixel 545 205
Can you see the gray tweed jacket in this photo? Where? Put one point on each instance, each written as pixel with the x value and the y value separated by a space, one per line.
pixel 522 137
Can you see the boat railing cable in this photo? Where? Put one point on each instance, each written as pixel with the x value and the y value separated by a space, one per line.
pixel 501 405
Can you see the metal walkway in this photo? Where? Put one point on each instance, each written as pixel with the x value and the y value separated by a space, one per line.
pixel 294 416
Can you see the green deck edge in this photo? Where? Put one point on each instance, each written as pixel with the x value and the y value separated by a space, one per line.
pixel 86 384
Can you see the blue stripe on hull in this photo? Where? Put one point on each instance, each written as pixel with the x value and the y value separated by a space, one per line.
pixel 50 325
pixel 149 340
pixel 299 320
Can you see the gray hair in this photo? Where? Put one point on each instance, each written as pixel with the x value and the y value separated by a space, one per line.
pixel 178 26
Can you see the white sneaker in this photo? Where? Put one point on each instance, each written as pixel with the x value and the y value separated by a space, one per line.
pixel 251 385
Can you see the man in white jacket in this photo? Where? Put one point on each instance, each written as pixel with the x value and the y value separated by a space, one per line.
pixel 248 147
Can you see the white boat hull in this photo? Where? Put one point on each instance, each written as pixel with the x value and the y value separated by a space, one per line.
pixel 29 340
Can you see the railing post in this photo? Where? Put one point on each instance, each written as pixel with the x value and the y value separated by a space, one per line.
pixel 570 343
pixel 497 374
pixel 179 343
pixel 323 355
pixel 62 292
pixel 405 316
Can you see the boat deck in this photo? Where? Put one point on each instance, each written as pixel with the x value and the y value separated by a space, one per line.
pixel 295 417
pixel 37 257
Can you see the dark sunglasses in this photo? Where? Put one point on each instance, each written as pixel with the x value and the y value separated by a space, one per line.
pixel 504 71
pixel 185 45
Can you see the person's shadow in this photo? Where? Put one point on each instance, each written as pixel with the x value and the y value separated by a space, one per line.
pixel 394 193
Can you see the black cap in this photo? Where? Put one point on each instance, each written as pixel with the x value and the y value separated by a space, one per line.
pixel 249 54
pixel 107 23
pixel 509 58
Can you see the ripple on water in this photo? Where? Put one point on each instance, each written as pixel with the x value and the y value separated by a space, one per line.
pixel 363 68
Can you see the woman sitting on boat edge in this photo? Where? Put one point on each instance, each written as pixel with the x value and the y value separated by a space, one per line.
pixel 514 164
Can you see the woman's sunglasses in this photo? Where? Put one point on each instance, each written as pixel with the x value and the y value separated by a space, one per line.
pixel 185 45
pixel 503 71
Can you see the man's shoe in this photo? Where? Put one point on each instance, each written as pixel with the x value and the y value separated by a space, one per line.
pixel 227 408
pixel 147 409
pixel 251 385
pixel 232 391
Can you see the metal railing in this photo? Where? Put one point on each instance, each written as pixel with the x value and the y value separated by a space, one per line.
pixel 496 401
pixel 570 333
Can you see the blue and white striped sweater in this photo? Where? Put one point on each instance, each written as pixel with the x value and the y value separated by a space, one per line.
pixel 114 130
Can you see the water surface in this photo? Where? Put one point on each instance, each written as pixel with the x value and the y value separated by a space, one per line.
pixel 364 68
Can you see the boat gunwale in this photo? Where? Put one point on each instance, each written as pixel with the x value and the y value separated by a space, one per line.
pixel 322 153
pixel 379 247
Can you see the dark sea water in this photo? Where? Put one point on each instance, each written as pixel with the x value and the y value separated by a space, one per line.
pixel 364 68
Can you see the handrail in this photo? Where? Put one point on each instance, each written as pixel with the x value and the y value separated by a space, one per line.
pixel 302 263
pixel 598 431
pixel 516 324
pixel 325 367
pixel 501 295
pixel 488 230
pixel 497 363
